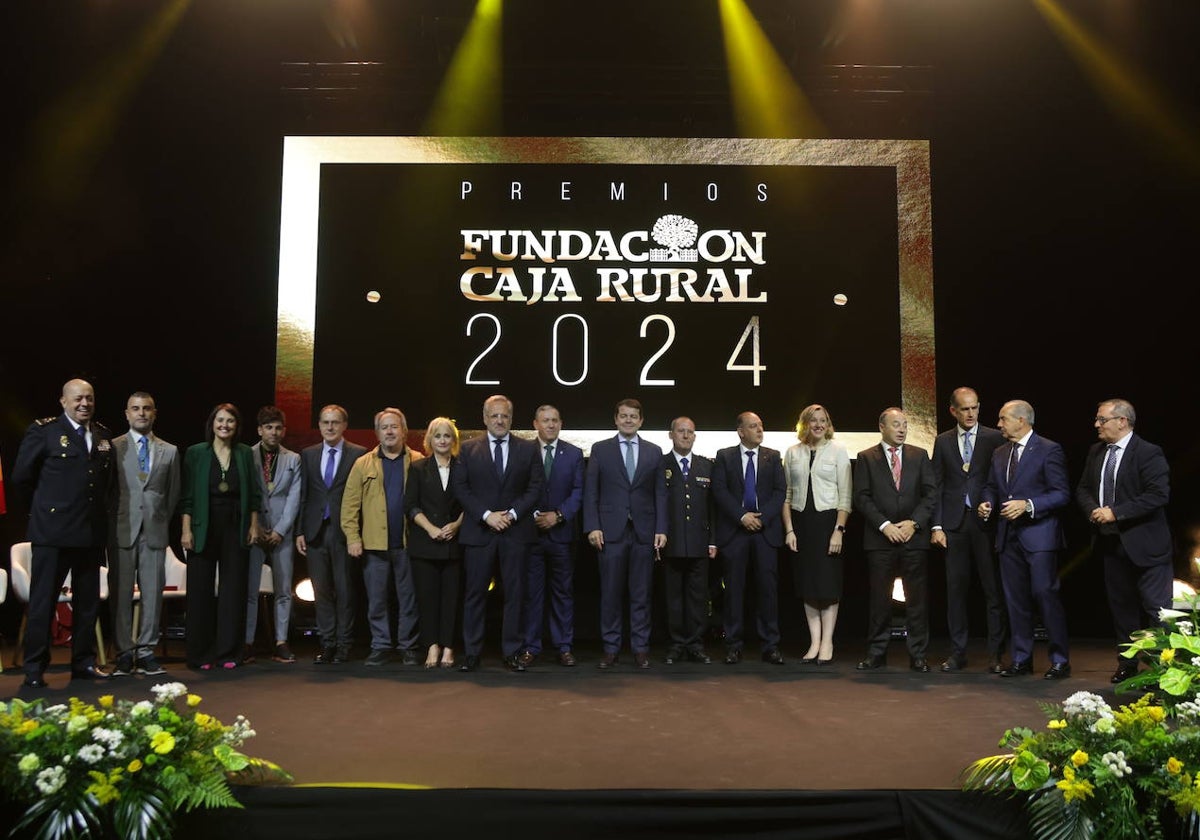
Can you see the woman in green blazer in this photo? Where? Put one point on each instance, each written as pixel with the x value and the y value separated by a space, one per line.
pixel 220 521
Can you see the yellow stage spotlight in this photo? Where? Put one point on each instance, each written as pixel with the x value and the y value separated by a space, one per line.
pixel 767 102
pixel 468 102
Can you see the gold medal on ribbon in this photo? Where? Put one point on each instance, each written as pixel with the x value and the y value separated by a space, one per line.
pixel 967 466
pixel 270 486
pixel 223 486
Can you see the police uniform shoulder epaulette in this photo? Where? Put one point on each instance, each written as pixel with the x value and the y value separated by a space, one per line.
pixel 46 421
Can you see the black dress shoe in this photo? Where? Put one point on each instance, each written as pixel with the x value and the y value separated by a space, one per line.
pixel 1058 671
pixel 733 656
pixel 325 656
pixel 871 663
pixel 808 660
pixel 470 663
pixel 513 663
pixel 341 655
pixel 1124 671
pixel 772 657
pixel 698 655
pixel 642 660
pixel 920 665
pixel 607 660
pixel 1017 669
pixel 91 672
pixel 32 681
pixel 954 662
pixel 410 657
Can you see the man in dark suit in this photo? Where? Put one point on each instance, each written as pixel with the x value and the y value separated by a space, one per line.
pixel 324 469
pixel 691 542
pixel 498 481
pixel 625 517
pixel 557 520
pixel 895 491
pixel 148 488
pixel 65 466
pixel 1027 488
pixel 1123 492
pixel 749 487
pixel 961 458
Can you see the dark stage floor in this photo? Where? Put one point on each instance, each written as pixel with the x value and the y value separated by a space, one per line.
pixel 684 727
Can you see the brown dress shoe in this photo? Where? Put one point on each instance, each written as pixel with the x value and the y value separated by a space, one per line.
pixel 566 659
pixel 642 660
pixel 526 658
pixel 607 661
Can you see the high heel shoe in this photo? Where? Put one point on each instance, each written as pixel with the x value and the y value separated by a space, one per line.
pixel 447 658
pixel 808 660
pixel 826 660
pixel 431 659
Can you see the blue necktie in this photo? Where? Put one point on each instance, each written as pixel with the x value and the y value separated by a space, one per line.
pixel 499 460
pixel 143 456
pixel 683 463
pixel 1108 485
pixel 330 463
pixel 750 494
pixel 630 464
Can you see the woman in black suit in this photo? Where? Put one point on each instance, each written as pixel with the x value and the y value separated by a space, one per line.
pixel 433 545
pixel 220 503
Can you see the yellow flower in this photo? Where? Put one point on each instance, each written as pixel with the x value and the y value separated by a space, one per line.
pixel 163 742
pixel 1167 656
pixel 1174 765
pixel 1057 724
pixel 1080 758
pixel 1073 790
pixel 202 719
pixel 193 700
pixel 27 726
pixel 1156 713
pixel 105 701
pixel 134 765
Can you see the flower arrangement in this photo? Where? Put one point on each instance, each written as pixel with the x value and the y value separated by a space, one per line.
pixel 119 768
pixel 1171 651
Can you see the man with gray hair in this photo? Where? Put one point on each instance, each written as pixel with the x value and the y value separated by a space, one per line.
pixel 375 527
pixel 1123 492
pixel 1027 488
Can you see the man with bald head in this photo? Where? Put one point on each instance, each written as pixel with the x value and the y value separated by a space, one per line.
pixel 65 466
pixel 1026 490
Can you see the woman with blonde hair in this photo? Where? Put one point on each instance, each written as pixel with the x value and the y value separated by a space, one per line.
pixel 433 544
pixel 815 510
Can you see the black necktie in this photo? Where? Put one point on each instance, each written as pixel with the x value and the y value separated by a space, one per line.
pixel 1108 484
pixel 499 461
pixel 1013 459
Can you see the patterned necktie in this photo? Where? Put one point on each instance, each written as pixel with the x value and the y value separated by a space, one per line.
pixel 630 464
pixel 548 461
pixel 750 492
pixel 968 452
pixel 1014 458
pixel 1108 485
pixel 683 462
pixel 268 462
pixel 499 460
pixel 895 465
pixel 143 456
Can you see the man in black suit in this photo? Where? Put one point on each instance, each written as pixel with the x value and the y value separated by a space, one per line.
pixel 1123 492
pixel 324 468
pixel 961 459
pixel 65 465
pixel 691 542
pixel 498 482
pixel 749 488
pixel 895 491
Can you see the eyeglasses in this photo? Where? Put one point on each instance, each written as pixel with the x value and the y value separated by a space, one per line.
pixel 1103 420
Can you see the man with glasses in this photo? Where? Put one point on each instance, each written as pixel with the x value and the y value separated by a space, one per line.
pixel 1123 492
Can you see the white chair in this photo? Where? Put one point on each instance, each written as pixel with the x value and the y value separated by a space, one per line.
pixel 3 597
pixel 21 557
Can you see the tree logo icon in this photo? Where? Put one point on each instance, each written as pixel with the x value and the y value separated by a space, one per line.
pixel 676 234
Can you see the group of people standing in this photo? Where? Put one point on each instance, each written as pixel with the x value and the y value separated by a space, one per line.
pixel 423 528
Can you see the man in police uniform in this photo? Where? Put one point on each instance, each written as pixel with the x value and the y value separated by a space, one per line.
pixel 65 464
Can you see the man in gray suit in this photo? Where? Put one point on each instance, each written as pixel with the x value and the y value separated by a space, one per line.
pixel 278 471
pixel 148 484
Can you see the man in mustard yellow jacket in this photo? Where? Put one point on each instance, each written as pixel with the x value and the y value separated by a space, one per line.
pixel 374 524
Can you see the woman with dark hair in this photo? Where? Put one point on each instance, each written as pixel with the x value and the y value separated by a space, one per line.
pixel 433 544
pixel 220 521
pixel 815 511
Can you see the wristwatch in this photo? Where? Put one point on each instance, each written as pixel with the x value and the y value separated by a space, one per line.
pixel 841 528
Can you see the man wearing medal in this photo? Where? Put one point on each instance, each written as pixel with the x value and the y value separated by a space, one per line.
pixel 65 468
pixel 278 472
pixel 961 458
pixel 148 486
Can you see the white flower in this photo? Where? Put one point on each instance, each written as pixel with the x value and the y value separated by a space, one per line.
pixel 1086 703
pixel 142 708
pixel 91 753
pixel 166 692
pixel 1185 627
pixel 56 709
pixel 51 780
pixel 1166 613
pixel 29 762
pixel 1103 726
pixel 77 724
pixel 111 738
pixel 1116 764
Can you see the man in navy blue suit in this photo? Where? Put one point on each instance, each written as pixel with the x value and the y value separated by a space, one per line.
pixel 1123 492
pixel 556 517
pixel 498 481
pixel 1027 489
pixel 625 517
pixel 750 532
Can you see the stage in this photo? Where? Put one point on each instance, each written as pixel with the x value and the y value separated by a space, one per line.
pixel 684 750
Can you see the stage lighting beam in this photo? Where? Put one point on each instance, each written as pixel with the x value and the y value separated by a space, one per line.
pixel 469 99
